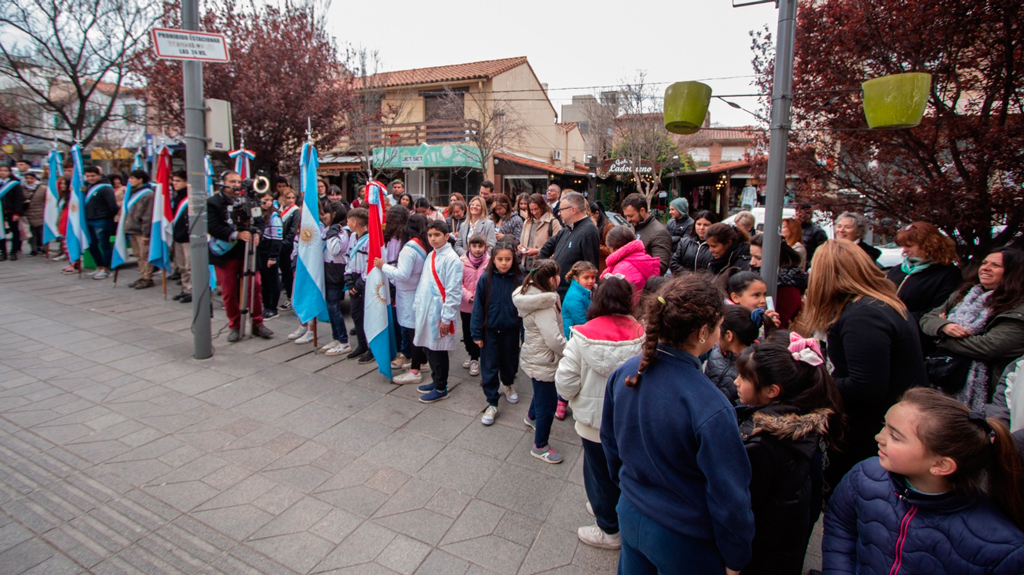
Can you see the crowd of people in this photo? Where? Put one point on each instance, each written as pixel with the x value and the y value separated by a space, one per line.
pixel 717 422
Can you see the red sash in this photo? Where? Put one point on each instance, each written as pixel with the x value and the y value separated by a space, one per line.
pixel 440 286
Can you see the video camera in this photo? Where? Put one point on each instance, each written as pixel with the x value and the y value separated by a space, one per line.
pixel 246 212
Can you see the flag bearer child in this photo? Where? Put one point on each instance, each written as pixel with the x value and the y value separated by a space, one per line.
pixel 437 305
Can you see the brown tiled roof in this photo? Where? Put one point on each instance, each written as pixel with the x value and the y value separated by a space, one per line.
pixel 539 165
pixel 454 73
pixel 568 126
pixel 716 134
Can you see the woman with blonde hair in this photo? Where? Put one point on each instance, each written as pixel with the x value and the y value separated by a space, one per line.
pixel 873 343
pixel 794 235
pixel 476 223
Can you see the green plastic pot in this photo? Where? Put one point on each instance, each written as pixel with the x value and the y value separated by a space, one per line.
pixel 686 106
pixel 897 101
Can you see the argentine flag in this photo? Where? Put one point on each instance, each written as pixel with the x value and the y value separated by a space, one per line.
pixel 120 255
pixel 161 235
pixel 208 166
pixel 78 240
pixel 377 316
pixel 51 213
pixel 308 299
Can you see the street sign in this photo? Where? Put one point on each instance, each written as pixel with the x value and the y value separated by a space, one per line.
pixel 172 44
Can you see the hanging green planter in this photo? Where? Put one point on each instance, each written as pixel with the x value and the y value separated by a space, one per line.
pixel 686 106
pixel 897 101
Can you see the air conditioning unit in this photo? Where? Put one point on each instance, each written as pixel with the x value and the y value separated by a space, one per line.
pixel 556 155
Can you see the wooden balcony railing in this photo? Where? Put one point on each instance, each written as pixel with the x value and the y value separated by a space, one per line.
pixel 414 134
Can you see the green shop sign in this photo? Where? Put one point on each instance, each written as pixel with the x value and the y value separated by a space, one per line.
pixel 428 156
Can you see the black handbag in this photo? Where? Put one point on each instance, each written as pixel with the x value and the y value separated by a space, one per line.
pixel 947 372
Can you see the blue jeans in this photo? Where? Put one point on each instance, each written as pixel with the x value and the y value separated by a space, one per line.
pixel 338 329
pixel 650 548
pixel 602 492
pixel 499 358
pixel 99 242
pixel 542 410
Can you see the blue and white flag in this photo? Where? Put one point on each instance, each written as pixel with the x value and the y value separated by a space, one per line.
pixel 78 240
pixel 161 235
pixel 208 166
pixel 308 299
pixel 377 316
pixel 51 213
pixel 120 255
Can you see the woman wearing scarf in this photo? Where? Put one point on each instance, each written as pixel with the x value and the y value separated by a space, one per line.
pixel 983 321
pixel 928 274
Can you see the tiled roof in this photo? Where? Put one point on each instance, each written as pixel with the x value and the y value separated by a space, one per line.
pixel 568 126
pixel 537 164
pixel 454 73
pixel 716 134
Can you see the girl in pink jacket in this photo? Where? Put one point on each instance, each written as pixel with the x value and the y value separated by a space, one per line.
pixel 474 263
pixel 629 259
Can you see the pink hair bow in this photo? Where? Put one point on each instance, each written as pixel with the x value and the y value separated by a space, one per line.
pixel 805 350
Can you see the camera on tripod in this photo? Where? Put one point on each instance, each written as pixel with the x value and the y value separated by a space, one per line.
pixel 246 213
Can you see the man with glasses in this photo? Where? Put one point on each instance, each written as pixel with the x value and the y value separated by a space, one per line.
pixel 578 240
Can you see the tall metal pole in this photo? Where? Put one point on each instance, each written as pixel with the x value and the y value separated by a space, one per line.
pixel 782 99
pixel 195 149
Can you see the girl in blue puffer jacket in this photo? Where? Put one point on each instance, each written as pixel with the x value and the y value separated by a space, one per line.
pixel 944 496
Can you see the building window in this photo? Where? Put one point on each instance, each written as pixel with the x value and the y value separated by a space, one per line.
pixel 700 154
pixel 732 153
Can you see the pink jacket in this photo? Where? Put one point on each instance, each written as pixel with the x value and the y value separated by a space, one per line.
pixel 470 275
pixel 633 262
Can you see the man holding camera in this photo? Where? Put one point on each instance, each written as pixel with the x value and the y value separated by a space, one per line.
pixel 228 252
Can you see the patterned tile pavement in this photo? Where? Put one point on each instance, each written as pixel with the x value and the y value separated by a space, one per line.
pixel 119 453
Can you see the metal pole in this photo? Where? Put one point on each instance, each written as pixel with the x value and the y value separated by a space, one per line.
pixel 782 98
pixel 195 144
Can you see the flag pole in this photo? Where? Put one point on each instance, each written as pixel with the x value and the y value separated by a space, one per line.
pixel 115 277
pixel 164 281
pixel 316 342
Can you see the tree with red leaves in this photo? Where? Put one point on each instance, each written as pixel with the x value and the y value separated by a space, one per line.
pixel 963 167
pixel 284 69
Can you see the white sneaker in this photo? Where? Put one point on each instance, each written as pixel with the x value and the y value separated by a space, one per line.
pixel 298 333
pixel 338 349
pixel 408 377
pixel 307 338
pixel 329 346
pixel 510 394
pixel 465 364
pixel 590 509
pixel 489 414
pixel 425 368
pixel 101 275
pixel 474 367
pixel 593 535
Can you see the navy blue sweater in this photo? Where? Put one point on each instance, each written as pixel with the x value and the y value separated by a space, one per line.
pixel 502 314
pixel 673 446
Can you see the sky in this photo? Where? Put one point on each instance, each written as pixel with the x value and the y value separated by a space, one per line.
pixel 571 46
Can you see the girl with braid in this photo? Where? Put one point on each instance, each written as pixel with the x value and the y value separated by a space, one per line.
pixel 673 444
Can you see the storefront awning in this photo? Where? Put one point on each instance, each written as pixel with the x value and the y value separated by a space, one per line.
pixel 428 156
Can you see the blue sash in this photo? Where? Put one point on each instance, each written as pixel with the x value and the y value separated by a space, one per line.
pixel 137 196
pixel 3 192
pixel 181 210
pixel 93 190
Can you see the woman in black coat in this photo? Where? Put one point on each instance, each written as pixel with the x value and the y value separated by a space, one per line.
pixel 928 274
pixel 873 344
pixel 729 246
pixel 692 253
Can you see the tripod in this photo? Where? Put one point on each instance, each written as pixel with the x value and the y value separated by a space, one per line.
pixel 248 279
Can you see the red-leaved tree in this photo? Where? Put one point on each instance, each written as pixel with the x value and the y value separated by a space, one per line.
pixel 963 167
pixel 284 69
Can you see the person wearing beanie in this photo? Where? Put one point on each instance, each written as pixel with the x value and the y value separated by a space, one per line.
pixel 679 222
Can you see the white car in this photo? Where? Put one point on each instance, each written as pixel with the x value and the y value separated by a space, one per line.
pixel 821 218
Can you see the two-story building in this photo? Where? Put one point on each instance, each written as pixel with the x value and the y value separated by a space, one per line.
pixel 448 128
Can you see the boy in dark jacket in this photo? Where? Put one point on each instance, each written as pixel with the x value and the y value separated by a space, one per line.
pixel 268 254
pixel 138 225
pixel 100 209
pixel 13 203
pixel 355 278
pixel 182 254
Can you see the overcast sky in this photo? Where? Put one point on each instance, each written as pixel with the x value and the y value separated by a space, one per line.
pixel 570 45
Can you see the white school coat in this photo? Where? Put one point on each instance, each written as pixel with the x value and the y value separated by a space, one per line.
pixel 429 308
pixel 405 274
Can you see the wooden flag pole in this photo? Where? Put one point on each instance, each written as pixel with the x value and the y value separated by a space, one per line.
pixel 164 281
pixel 316 342
pixel 115 277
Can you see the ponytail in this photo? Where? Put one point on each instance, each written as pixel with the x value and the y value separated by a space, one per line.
pixel 541 275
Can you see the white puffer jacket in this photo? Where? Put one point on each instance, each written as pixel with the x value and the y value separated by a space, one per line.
pixel 542 320
pixel 595 350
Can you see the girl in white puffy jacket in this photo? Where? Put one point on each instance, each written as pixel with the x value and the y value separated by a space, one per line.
pixel 541 310
pixel 597 348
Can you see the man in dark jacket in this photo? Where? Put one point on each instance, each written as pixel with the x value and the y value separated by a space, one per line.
pixel 227 254
pixel 680 224
pixel 578 240
pixel 649 230
pixel 100 210
pixel 814 236
pixel 182 255
pixel 138 225
pixel 290 224
pixel 13 202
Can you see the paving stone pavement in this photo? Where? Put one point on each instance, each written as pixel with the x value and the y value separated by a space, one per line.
pixel 119 453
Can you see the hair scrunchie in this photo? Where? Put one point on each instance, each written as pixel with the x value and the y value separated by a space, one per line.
pixel 805 350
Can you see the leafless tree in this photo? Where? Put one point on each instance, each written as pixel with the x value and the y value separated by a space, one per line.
pixel 640 134
pixel 64 63
pixel 491 124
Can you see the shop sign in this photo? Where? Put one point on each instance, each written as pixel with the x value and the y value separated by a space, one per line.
pixel 625 166
pixel 428 156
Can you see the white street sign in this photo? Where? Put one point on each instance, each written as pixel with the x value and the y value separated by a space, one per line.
pixel 172 44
